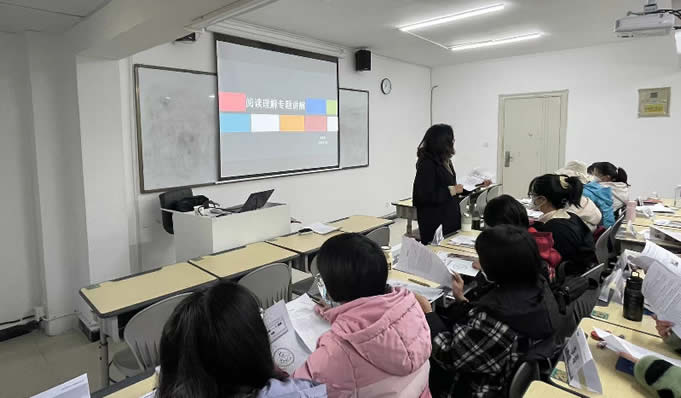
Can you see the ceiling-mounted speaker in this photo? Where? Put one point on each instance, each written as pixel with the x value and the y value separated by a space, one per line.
pixel 363 60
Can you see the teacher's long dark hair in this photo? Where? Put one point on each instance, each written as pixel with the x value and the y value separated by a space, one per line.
pixel 438 143
pixel 215 344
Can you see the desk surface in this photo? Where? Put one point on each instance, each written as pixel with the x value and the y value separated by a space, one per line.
pixel 614 382
pixel 539 389
pixel 232 263
pixel 133 387
pixel 624 236
pixel 404 203
pixel 303 244
pixel 404 277
pixel 458 250
pixel 613 314
pixel 108 299
pixel 360 224
pixel 465 249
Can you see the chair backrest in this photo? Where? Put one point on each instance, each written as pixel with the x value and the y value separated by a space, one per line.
pixel 612 241
pixel 494 191
pixel 481 202
pixel 602 252
pixel 465 206
pixel 381 236
pixel 270 284
pixel 168 200
pixel 143 331
pixel 527 372
pixel 594 273
pixel 314 269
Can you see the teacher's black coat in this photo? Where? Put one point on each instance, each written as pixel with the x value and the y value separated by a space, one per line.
pixel 432 199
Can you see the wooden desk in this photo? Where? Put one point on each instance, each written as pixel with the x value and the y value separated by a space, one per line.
pixel 303 244
pixel 614 382
pixel 237 262
pixel 119 296
pixel 405 209
pixel 627 241
pixel 647 222
pixel 539 389
pixel 464 249
pixel 458 250
pixel 612 314
pixel 360 224
pixel 132 387
pixel 404 277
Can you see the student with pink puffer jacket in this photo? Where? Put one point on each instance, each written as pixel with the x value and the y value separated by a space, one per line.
pixel 379 342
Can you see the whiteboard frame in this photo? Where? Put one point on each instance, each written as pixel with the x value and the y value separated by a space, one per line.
pixel 368 93
pixel 140 142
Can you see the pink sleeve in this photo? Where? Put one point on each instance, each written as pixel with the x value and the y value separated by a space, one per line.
pixel 328 364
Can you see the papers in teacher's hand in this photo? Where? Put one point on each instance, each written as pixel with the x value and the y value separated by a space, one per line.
pixel 307 323
pixel 662 292
pixel 457 264
pixel 463 240
pixel 475 178
pixel 322 228
pixel 430 293
pixel 419 260
pixel 74 388
pixel 618 345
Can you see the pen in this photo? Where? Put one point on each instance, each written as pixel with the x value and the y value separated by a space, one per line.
pixel 418 282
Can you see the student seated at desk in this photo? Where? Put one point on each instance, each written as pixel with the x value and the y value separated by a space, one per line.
pixel 477 346
pixel 588 211
pixel 552 194
pixel 601 196
pixel 506 210
pixel 379 342
pixel 215 344
pixel 659 377
pixel 615 178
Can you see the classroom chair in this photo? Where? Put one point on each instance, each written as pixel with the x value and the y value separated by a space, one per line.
pixel 527 372
pixel 168 200
pixel 613 250
pixel 381 236
pixel 270 284
pixel 602 252
pixel 465 205
pixel 314 269
pixel 494 191
pixel 143 337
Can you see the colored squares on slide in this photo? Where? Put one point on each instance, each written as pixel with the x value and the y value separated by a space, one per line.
pixel 332 124
pixel 315 106
pixel 315 123
pixel 235 123
pixel 331 107
pixel 291 123
pixel 264 123
pixel 232 102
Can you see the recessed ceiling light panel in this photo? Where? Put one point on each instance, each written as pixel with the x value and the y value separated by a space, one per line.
pixel 496 42
pixel 453 17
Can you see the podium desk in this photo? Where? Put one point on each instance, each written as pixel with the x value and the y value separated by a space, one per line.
pixel 237 262
pixel 111 299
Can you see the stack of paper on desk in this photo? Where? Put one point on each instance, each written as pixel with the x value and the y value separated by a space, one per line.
pixel 457 264
pixel 430 293
pixel 665 234
pixel 463 240
pixel 74 388
pixel 617 344
pixel 322 228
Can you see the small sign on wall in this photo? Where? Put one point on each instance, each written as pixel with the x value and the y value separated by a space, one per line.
pixel 654 102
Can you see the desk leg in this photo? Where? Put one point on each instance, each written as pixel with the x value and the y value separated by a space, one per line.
pixel 409 227
pixel 306 260
pixel 103 355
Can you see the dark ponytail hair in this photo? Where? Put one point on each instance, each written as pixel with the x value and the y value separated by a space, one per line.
pixel 215 344
pixel 616 174
pixel 438 143
pixel 560 190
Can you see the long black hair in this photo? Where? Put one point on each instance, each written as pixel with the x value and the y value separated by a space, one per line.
pixel 560 190
pixel 438 143
pixel 509 255
pixel 352 266
pixel 215 344
pixel 505 209
pixel 616 174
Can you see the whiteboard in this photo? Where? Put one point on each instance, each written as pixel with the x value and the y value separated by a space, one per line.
pixel 177 129
pixel 354 128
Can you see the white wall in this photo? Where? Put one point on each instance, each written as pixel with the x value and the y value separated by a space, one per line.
pixel 602 124
pixel 397 123
pixel 20 287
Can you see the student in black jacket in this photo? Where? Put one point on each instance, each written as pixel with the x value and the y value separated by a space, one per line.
pixel 436 194
pixel 552 194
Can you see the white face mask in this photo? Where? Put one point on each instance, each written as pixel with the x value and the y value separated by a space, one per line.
pixel 535 205
pixel 596 179
pixel 324 293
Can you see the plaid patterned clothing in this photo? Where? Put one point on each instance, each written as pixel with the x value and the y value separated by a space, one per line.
pixel 481 355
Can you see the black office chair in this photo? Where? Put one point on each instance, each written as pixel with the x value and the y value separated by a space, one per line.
pixel 168 200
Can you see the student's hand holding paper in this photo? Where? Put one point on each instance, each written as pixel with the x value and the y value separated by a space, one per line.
pixel 628 357
pixel 664 328
pixel 486 183
pixel 457 288
pixel 424 303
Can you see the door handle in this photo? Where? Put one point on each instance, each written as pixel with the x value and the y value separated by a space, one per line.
pixel 507 159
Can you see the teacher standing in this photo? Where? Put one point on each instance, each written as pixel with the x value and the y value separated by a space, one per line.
pixel 436 194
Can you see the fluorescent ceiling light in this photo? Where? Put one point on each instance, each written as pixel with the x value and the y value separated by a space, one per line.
pixel 454 17
pixel 678 41
pixel 495 42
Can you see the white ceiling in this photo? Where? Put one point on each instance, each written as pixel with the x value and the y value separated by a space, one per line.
pixel 52 16
pixel 373 24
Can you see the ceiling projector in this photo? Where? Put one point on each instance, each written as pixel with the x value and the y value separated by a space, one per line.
pixel 651 22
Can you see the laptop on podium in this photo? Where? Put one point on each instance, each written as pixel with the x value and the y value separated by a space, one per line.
pixel 255 201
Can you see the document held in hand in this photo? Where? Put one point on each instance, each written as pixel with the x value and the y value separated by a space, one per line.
pixel 618 345
pixel 74 388
pixel 662 292
pixel 419 260
pixel 288 350
pixel 580 365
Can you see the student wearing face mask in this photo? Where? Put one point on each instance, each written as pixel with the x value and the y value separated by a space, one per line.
pixel 379 342
pixel 615 178
pixel 552 194
pixel 478 345
pixel 436 194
